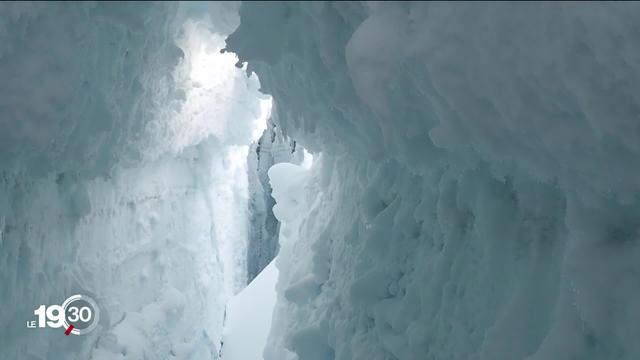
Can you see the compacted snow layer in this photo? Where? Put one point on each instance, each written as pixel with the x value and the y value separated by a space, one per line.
pixel 123 145
pixel 477 192
pixel 378 262
pixel 144 244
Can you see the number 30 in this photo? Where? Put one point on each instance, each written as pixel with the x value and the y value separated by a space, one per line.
pixel 84 314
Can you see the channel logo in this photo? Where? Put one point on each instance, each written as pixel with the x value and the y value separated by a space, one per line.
pixel 78 315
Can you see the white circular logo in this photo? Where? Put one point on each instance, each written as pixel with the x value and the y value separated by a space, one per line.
pixel 78 315
pixel 81 314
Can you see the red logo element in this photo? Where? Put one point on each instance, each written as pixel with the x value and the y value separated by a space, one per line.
pixel 68 331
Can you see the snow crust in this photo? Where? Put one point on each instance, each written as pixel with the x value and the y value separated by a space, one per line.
pixel 477 192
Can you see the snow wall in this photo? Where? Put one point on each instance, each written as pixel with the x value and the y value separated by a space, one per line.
pixel 124 134
pixel 476 190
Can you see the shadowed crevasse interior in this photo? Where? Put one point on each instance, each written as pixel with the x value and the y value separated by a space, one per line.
pixel 473 192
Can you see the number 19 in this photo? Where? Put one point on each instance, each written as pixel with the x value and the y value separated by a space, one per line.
pixel 54 314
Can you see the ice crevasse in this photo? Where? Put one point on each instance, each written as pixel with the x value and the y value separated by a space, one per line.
pixel 474 193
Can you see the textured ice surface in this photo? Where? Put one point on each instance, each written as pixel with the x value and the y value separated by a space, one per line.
pixel 123 144
pixel 145 243
pixel 123 61
pixel 477 193
pixel 474 193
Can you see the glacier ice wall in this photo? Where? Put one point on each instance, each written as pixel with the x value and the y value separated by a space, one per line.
pixel 52 52
pixel 122 175
pixel 477 193
pixel 132 64
pixel 124 242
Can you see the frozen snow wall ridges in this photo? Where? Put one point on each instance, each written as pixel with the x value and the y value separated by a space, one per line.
pixel 113 155
pixel 52 52
pixel 477 195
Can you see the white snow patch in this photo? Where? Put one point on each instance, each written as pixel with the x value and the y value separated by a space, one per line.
pixel 248 317
pixel 260 123
pixel 307 160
